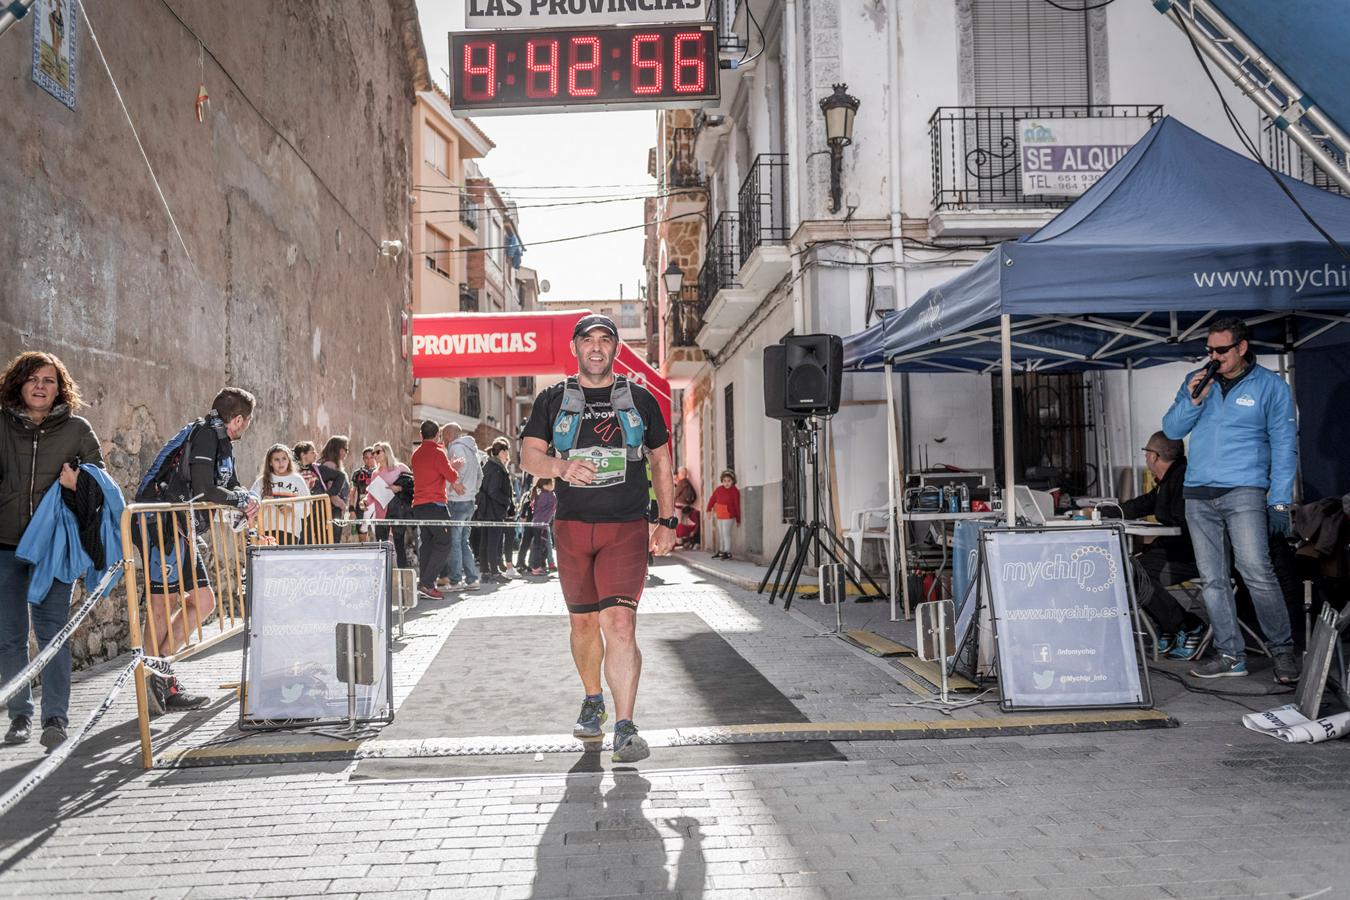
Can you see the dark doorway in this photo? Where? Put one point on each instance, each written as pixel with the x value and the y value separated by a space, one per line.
pixel 1054 419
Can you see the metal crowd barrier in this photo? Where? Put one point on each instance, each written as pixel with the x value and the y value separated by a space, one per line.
pixel 162 545
pixel 53 760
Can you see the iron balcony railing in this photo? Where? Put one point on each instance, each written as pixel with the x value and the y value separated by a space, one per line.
pixel 721 259
pixel 686 317
pixel 468 211
pixel 976 163
pixel 1283 155
pixel 723 13
pixel 684 168
pixel 762 203
pixel 470 403
pixel 468 298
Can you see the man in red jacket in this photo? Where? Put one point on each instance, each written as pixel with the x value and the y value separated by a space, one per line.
pixel 432 474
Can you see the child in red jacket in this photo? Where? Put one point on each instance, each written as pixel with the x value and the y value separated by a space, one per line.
pixel 725 505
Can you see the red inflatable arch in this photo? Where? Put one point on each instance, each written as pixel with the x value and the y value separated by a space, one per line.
pixel 497 345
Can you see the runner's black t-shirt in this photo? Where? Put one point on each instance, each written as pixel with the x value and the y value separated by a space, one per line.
pixel 620 493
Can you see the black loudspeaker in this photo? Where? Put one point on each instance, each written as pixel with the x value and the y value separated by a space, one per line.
pixel 802 376
pixel 775 382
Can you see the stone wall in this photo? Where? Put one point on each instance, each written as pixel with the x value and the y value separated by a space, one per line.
pixel 282 194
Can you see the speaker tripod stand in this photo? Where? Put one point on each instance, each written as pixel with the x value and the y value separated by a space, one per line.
pixel 804 536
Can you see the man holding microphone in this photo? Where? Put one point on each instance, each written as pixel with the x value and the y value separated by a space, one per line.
pixel 1238 489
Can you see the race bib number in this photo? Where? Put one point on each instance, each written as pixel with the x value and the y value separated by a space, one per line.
pixel 611 464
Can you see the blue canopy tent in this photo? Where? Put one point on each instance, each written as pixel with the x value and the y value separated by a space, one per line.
pixel 1179 232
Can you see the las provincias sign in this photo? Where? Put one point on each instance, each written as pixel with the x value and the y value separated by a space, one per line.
pixel 563 13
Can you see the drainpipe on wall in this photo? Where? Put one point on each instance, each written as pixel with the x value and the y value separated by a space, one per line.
pixel 898 280
pixel 791 52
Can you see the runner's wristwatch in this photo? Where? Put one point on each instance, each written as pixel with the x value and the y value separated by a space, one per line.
pixel 670 522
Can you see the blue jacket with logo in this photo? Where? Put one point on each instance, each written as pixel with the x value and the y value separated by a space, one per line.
pixel 1248 438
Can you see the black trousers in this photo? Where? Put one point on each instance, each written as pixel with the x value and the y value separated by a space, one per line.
pixel 1159 571
pixel 400 534
pixel 435 546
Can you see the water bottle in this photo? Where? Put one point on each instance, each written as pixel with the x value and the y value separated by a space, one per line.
pixel 996 498
pixel 965 497
pixel 953 499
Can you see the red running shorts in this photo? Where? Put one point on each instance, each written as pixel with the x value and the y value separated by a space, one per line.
pixel 601 564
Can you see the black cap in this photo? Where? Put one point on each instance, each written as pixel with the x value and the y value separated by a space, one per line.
pixel 591 322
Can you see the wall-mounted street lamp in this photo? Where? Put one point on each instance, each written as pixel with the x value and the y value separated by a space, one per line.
pixel 839 109
pixel 673 276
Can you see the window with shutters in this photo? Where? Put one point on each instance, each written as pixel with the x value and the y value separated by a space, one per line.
pixel 1028 52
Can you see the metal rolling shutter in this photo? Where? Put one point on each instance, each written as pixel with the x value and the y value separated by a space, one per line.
pixel 1029 52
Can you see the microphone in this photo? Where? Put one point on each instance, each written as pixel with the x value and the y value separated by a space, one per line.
pixel 1211 369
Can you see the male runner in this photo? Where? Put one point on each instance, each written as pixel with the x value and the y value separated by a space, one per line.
pixel 601 523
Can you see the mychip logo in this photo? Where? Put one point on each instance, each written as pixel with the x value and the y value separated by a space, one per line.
pixel 1245 400
pixel 1090 566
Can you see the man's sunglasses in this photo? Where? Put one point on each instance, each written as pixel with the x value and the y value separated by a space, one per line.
pixel 1220 351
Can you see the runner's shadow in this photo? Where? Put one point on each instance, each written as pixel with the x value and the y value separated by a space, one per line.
pixel 593 830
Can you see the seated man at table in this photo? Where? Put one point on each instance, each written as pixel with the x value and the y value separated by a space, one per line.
pixel 1169 559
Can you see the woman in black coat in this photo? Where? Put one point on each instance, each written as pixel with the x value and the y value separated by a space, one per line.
pixel 494 505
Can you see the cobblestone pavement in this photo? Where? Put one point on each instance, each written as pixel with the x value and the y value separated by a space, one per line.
pixel 1205 810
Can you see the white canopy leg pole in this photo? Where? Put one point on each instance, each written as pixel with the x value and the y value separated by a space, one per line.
pixel 1009 480
pixel 893 520
pixel 1129 428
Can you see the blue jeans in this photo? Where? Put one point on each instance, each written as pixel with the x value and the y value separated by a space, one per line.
pixel 1237 520
pixel 462 565
pixel 48 617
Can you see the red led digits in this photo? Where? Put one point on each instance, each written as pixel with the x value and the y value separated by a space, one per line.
pixel 654 65
pixel 538 72
pixel 690 76
pixel 588 85
pixel 486 70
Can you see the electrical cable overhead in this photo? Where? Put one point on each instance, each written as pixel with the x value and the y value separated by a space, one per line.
pixel 750 13
pixel 629 199
pixel 1251 147
pixel 561 240
pixel 1083 9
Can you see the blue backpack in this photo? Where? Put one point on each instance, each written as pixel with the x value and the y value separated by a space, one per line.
pixel 567 425
pixel 169 475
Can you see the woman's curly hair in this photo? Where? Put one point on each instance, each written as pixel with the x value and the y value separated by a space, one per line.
pixel 22 367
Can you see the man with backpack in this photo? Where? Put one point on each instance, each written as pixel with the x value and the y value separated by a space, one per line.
pixel 595 434
pixel 197 464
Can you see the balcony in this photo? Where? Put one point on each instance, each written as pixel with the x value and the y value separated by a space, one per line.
pixel 683 170
pixel 762 201
pixel 468 211
pixel 683 358
pixel 524 387
pixel 723 13
pixel 1283 155
pixel 468 298
pixel 977 173
pixel 724 304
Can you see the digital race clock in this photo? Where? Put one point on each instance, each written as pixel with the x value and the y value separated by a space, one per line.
pixel 520 71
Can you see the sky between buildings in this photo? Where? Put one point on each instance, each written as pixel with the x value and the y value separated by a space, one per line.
pixel 537 154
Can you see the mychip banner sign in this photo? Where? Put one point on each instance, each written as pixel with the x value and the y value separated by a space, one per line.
pixel 1065 157
pixel 580 13
pixel 296 598
pixel 1061 601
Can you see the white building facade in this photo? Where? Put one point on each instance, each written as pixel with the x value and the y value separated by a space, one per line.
pixel 928 184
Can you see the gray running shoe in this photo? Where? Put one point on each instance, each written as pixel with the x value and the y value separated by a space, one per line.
pixel 590 724
pixel 1220 666
pixel 629 746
